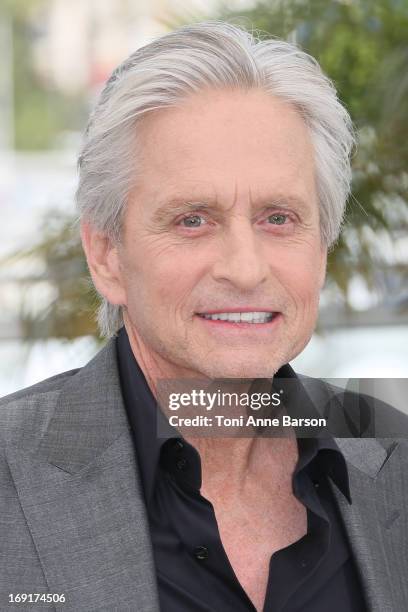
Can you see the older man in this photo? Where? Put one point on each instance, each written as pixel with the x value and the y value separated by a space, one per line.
pixel 213 179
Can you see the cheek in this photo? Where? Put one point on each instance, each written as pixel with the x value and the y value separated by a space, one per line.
pixel 299 273
pixel 172 286
pixel 160 277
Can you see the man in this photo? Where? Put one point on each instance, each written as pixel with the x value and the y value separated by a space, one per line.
pixel 213 179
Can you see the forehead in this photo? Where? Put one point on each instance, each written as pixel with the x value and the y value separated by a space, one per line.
pixel 220 143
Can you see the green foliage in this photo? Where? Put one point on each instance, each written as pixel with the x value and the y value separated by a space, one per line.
pixel 41 112
pixel 71 310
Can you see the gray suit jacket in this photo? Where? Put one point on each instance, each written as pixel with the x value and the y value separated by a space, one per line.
pixel 73 520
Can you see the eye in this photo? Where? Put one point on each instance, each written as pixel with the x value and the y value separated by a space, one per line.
pixel 277 218
pixel 193 221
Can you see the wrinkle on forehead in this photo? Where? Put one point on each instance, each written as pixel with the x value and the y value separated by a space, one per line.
pixel 227 148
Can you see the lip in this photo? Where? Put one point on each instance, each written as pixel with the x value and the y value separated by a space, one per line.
pixel 234 309
pixel 232 326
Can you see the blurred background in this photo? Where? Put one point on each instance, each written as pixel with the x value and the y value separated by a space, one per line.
pixel 54 58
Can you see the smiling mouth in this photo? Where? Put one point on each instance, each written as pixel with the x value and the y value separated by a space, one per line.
pixel 240 317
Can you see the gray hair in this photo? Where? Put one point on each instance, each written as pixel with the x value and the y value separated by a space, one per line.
pixel 161 74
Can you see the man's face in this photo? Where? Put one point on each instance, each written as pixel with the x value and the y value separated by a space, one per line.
pixel 224 220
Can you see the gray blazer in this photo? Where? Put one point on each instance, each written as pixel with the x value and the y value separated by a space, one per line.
pixel 73 520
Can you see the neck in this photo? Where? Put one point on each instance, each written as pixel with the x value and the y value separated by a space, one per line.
pixel 233 465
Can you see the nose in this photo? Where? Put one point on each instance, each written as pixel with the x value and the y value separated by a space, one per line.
pixel 241 261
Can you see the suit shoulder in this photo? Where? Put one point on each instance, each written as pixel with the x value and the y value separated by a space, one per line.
pixel 372 414
pixel 30 409
pixel 48 384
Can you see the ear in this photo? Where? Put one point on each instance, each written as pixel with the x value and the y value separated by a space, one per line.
pixel 104 264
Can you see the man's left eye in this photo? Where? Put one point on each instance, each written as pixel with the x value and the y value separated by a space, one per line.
pixel 277 219
pixel 193 221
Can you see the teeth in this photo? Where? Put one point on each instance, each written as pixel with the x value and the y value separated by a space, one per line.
pixel 238 317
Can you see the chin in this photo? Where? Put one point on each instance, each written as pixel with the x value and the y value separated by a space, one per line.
pixel 245 368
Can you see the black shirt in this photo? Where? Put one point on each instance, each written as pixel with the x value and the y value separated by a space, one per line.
pixel 314 574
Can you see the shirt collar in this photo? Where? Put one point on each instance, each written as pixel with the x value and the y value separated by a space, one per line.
pixel 142 411
pixel 321 450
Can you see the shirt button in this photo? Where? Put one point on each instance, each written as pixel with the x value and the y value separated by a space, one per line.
pixel 178 446
pixel 201 553
pixel 182 464
pixel 303 563
pixel 316 484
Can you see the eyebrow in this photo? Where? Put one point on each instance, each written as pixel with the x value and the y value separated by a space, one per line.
pixel 179 205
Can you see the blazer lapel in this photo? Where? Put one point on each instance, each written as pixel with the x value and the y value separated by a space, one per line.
pixel 374 521
pixel 82 498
